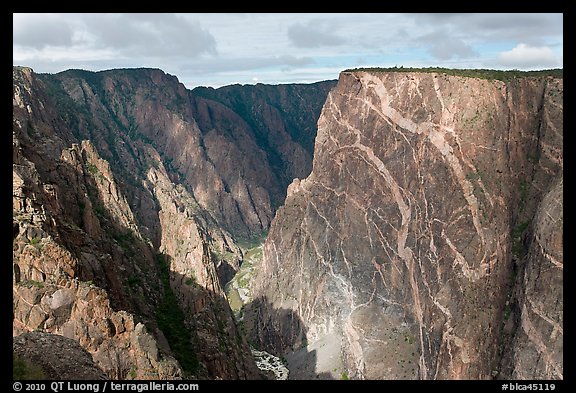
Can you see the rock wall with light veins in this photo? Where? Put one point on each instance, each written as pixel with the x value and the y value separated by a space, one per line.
pixel 428 236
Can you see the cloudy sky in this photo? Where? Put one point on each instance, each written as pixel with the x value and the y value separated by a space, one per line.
pixel 221 49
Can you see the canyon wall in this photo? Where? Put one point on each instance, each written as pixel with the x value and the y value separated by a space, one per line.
pixel 427 241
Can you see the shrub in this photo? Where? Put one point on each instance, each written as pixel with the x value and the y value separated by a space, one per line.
pixel 35 242
pixel 92 169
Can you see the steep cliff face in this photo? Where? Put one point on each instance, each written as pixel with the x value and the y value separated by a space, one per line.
pixel 426 243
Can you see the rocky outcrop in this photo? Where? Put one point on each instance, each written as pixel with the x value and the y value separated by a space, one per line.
pixel 75 271
pixel 55 356
pixel 428 236
pixel 186 249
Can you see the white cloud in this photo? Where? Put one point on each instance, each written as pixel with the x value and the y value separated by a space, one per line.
pixel 444 45
pixel 313 35
pixel 40 31
pixel 524 57
pixel 130 35
pixel 533 29
pixel 220 48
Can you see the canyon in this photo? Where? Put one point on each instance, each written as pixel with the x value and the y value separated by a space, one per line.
pixel 388 225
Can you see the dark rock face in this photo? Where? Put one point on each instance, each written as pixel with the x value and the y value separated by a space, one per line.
pixel 58 357
pixel 428 236
pixel 537 348
pixel 125 220
pixel 279 118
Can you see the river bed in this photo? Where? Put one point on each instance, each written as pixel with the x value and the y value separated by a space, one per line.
pixel 239 294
